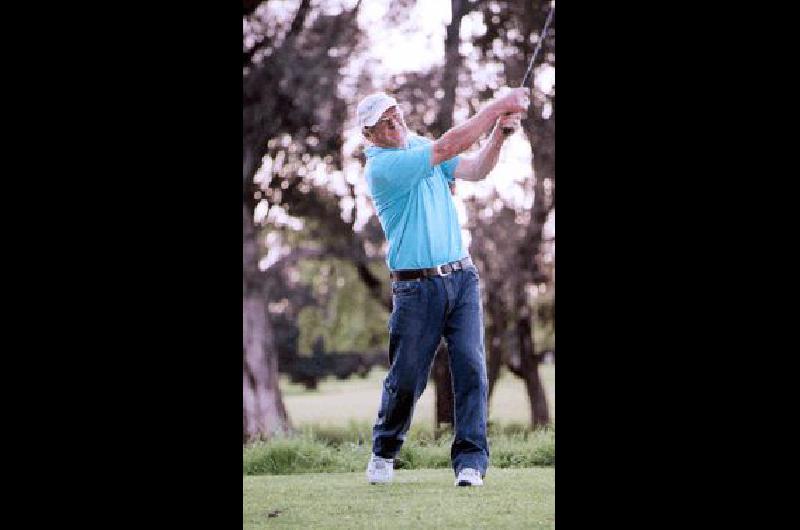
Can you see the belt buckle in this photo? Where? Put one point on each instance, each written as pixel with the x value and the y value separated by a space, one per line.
pixel 439 270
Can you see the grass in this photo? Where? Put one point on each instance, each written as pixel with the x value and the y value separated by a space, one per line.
pixel 337 402
pixel 315 478
pixel 426 498
pixel 334 429
pixel 347 449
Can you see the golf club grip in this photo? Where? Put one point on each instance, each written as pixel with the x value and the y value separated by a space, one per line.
pixel 508 130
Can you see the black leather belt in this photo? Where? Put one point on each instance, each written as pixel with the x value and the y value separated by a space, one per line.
pixel 441 270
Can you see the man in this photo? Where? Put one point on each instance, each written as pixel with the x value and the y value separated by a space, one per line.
pixel 435 286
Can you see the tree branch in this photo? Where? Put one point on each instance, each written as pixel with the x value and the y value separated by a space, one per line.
pixel 249 6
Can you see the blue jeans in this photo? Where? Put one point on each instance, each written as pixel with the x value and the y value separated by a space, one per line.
pixel 425 310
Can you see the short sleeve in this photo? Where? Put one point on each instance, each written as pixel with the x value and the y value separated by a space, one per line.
pixel 449 168
pixel 396 172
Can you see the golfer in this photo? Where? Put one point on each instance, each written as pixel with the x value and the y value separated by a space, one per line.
pixel 435 285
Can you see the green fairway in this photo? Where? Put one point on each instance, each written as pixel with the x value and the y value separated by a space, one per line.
pixel 423 498
pixel 337 402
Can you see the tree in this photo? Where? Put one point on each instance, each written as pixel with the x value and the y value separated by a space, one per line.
pixel 507 275
pixel 284 111
pixel 264 413
pixel 293 128
pixel 509 27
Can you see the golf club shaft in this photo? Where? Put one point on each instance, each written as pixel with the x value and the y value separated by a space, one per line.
pixel 509 130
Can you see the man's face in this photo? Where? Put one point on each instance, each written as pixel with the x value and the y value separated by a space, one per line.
pixel 390 130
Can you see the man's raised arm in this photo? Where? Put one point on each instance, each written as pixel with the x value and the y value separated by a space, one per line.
pixel 460 138
pixel 477 166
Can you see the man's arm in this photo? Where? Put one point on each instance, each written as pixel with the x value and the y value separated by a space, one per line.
pixel 460 138
pixel 476 167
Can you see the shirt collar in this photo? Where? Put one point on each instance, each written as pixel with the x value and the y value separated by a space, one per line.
pixel 373 150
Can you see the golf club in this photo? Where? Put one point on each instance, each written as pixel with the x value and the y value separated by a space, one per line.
pixel 509 130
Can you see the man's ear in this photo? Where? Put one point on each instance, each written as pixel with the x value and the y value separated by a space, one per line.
pixel 366 133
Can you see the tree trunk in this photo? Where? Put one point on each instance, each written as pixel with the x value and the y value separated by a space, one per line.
pixel 541 135
pixel 444 387
pixel 529 366
pixel 494 338
pixel 264 413
pixel 452 64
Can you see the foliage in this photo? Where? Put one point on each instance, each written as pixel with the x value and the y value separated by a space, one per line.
pixel 347 317
pixel 317 452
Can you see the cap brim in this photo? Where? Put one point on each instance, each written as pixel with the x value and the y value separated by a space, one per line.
pixel 379 112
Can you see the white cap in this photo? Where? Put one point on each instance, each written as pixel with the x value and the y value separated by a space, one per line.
pixel 372 107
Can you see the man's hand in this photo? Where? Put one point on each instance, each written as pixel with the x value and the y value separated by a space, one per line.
pixel 459 138
pixel 513 100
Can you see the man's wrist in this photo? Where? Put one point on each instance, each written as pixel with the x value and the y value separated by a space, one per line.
pixel 494 109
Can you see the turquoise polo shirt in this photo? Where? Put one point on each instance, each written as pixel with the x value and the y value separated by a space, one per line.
pixel 414 204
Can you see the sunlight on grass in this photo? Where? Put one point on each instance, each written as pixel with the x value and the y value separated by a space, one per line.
pixel 337 402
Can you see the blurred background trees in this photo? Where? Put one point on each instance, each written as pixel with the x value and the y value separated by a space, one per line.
pixel 316 293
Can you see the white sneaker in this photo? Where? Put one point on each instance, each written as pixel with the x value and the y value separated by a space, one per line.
pixel 469 477
pixel 380 470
